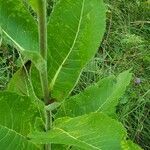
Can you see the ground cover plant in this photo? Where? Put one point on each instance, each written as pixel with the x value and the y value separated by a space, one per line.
pixel 128 24
pixel 38 109
pixel 126 45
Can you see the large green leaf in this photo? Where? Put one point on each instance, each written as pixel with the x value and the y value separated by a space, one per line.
pixel 90 132
pixel 75 30
pixel 16 21
pixel 20 27
pixel 125 145
pixel 102 96
pixel 17 118
pixel 89 100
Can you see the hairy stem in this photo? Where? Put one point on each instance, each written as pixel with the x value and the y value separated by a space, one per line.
pixel 42 21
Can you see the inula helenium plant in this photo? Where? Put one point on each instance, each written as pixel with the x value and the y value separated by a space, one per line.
pixel 37 110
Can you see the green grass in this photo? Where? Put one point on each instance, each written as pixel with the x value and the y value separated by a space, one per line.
pixel 126 45
pixel 8 63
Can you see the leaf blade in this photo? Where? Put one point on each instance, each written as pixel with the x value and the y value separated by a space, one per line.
pixel 20 27
pixel 19 24
pixel 123 80
pixel 102 96
pixel 91 132
pixel 12 139
pixel 17 117
pixel 75 34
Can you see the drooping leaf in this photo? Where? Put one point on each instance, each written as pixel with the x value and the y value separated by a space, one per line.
pixel 19 83
pixel 26 81
pixel 129 145
pixel 90 132
pixel 102 96
pixel 20 27
pixel 36 58
pixel 19 24
pixel 17 117
pixel 75 30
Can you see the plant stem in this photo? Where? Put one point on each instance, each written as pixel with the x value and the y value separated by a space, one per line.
pixel 42 24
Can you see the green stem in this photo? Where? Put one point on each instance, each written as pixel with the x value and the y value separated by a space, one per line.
pixel 42 29
pixel 48 126
pixel 42 21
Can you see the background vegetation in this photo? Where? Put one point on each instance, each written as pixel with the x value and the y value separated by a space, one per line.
pixel 126 44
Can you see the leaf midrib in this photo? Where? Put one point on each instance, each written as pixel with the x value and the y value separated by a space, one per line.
pixel 17 133
pixel 16 44
pixel 71 49
pixel 67 133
